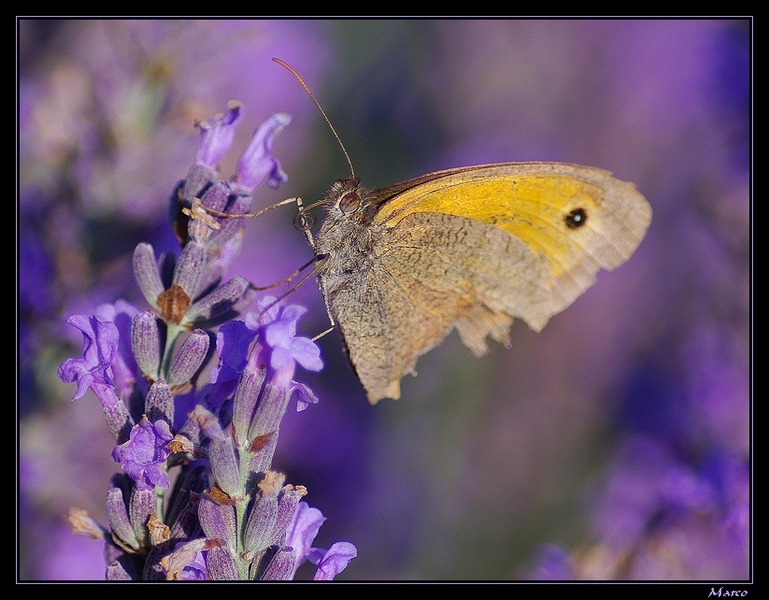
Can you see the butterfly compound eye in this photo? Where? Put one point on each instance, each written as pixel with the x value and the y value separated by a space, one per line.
pixel 349 202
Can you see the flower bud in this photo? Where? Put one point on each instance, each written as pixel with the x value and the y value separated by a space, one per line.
pixel 188 358
pixel 117 513
pixel 190 268
pixel 224 303
pixel 221 565
pixel 159 403
pixel 263 513
pixel 146 343
pixel 141 506
pixel 281 567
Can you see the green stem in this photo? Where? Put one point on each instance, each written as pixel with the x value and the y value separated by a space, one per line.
pixel 173 333
pixel 160 502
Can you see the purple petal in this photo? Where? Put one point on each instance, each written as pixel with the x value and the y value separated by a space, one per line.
pixel 144 455
pixel 257 163
pixel 100 344
pixel 302 531
pixel 278 334
pixel 196 569
pixel 281 358
pixel 306 353
pixel 232 343
pixel 267 311
pixel 292 312
pixel 335 560
pixel 217 135
pixel 303 395
pixel 186 562
pixel 125 371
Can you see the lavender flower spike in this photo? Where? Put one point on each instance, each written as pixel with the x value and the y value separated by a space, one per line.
pixel 230 515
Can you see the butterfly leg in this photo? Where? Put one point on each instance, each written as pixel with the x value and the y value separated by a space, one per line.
pixel 327 331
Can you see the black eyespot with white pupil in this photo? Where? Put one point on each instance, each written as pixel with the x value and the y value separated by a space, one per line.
pixel 576 218
pixel 349 202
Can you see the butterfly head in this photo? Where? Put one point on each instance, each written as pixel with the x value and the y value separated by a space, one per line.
pixel 343 200
pixel 344 197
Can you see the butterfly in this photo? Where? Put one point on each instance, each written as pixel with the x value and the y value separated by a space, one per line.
pixel 468 248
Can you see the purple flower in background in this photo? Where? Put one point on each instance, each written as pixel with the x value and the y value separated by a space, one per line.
pixel 644 482
pixel 552 563
pixel 143 456
pixel 650 506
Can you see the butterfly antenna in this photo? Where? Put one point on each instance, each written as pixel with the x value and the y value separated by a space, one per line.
pixel 291 70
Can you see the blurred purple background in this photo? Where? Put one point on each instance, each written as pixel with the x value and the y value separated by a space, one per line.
pixel 622 430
